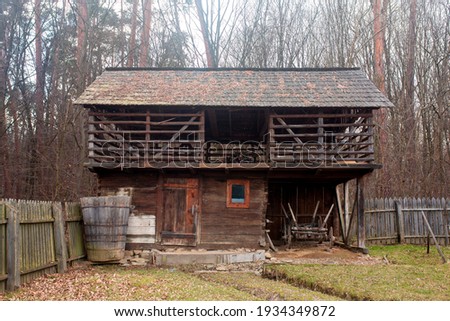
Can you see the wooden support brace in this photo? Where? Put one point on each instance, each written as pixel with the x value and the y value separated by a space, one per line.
pixel 293 215
pixel 270 242
pixel 326 217
pixel 444 259
pixel 290 131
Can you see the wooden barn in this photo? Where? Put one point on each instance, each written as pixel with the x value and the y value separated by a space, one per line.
pixel 233 158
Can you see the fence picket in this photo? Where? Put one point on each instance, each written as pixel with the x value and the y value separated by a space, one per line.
pixel 31 251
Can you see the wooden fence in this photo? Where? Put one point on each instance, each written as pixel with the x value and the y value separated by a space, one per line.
pixel 400 220
pixel 37 238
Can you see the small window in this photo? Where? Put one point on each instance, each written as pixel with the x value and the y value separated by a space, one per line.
pixel 238 193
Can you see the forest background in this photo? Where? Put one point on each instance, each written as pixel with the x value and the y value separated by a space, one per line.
pixel 50 50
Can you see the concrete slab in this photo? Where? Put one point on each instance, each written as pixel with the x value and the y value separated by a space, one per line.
pixel 206 257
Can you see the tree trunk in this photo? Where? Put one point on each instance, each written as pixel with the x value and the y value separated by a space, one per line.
pixel 143 57
pixel 410 122
pixel 379 29
pixel 132 44
pixel 82 19
pixel 39 97
pixel 379 24
pixel 5 186
pixel 211 62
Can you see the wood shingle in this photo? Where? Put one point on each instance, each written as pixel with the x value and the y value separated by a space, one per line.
pixel 333 87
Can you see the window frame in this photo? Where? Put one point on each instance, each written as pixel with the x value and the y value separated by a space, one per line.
pixel 246 184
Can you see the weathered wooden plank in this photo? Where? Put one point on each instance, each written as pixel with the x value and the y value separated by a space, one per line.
pixel 3 266
pixel 60 242
pixel 324 115
pixel 13 249
pixel 341 213
pixel 400 222
pixel 446 220
pixel 361 232
pixel 444 259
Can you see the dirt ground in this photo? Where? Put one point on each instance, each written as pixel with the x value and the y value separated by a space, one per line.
pixel 321 254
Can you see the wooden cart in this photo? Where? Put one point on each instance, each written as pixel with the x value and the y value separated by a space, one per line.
pixel 314 231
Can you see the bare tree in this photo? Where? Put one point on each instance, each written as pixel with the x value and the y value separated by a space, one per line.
pixel 210 58
pixel 147 7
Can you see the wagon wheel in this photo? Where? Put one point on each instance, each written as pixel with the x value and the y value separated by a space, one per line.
pixel 331 237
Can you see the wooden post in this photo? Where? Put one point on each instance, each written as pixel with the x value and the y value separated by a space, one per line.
pixel 361 232
pixel 446 222
pixel 91 138
pixel 202 137
pixel 320 140
pixel 346 209
pixel 159 206
pixel 147 140
pixel 341 215
pixel 444 260
pixel 60 243
pixel 13 248
pixel 400 222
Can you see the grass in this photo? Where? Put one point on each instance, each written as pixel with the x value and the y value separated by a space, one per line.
pixel 265 289
pixel 410 276
pixel 112 283
pixel 409 254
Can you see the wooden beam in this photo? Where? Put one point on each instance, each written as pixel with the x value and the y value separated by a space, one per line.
pixel 270 242
pixel 361 231
pixel 341 214
pixel 446 222
pixel 13 248
pixel 289 130
pixel 60 242
pixel 293 215
pixel 159 206
pixel 346 207
pixel 315 212
pixel 326 217
pixel 444 259
pixel 400 223
pixel 350 231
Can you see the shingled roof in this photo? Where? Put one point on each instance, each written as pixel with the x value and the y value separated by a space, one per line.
pixel 234 88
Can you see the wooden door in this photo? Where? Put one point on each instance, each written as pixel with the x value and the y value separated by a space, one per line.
pixel 180 211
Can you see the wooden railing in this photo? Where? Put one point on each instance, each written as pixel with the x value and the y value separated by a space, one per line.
pixel 321 139
pixel 159 140
pixel 145 140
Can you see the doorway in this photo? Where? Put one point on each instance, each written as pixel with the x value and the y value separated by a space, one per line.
pixel 181 211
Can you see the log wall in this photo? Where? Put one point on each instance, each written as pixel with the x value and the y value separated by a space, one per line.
pixel 141 186
pixel 220 227
pixel 223 227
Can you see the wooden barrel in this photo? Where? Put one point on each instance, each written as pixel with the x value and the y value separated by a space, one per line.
pixel 105 227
